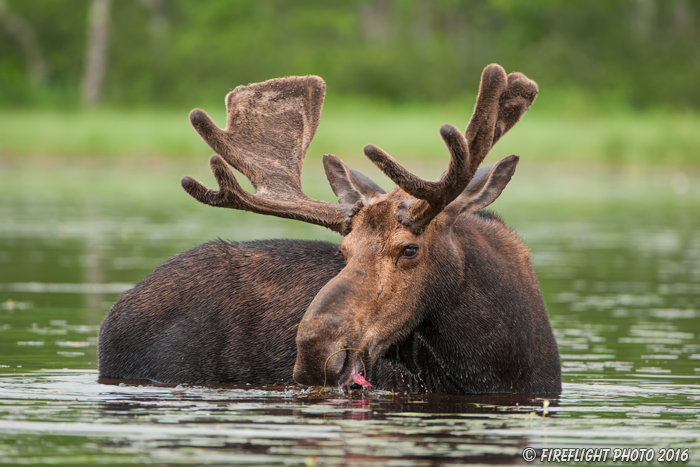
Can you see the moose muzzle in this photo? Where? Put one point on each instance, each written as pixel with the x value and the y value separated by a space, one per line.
pixel 329 337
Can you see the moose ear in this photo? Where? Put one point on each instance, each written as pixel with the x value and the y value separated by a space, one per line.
pixel 485 187
pixel 348 184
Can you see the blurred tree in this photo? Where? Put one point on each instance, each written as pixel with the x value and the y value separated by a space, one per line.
pixel 640 53
pixel 22 31
pixel 96 52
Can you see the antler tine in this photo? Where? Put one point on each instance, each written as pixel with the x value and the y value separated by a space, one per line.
pixel 268 131
pixel 437 192
pixel 482 124
pixel 232 195
pixel 519 95
pixel 501 102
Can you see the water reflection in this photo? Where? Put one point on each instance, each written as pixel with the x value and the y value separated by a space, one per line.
pixel 620 271
pixel 94 269
pixel 278 425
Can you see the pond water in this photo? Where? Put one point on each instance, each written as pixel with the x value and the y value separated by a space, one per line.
pixel 618 256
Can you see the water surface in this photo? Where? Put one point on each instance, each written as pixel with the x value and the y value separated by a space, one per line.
pixel 617 253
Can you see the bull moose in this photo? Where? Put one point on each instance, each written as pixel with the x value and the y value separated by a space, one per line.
pixel 425 293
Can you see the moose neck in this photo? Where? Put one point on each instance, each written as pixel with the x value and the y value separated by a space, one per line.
pixel 458 315
pixel 476 336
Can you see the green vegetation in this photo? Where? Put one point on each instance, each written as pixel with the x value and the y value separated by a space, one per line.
pixel 642 53
pixel 618 80
pixel 408 132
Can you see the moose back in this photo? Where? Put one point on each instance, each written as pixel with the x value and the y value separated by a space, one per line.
pixel 425 293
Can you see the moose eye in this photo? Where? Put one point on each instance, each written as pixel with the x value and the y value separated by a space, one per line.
pixel 409 252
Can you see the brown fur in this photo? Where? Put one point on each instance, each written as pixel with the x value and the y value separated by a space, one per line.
pixel 432 293
pixel 470 297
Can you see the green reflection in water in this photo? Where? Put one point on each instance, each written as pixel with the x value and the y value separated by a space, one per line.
pixel 617 252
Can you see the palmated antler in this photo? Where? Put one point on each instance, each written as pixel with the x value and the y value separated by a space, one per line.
pixel 501 102
pixel 269 127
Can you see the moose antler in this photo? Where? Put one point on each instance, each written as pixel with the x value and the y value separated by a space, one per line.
pixel 501 102
pixel 269 127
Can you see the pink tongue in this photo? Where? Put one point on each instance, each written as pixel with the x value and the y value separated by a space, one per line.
pixel 359 379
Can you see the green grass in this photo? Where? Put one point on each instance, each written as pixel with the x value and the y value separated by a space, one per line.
pixel 108 133
pixel 409 133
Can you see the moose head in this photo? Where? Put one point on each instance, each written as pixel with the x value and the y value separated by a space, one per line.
pixel 405 255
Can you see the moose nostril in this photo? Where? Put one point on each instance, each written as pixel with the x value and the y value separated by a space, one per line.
pixel 320 367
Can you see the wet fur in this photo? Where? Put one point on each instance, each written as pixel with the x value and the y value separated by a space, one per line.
pixel 220 314
pixel 467 318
